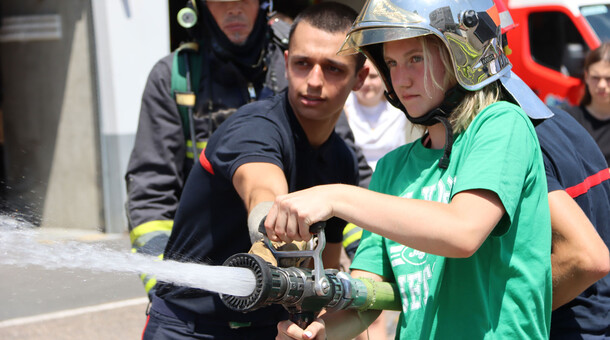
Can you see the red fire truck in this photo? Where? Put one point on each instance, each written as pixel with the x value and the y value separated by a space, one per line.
pixel 550 40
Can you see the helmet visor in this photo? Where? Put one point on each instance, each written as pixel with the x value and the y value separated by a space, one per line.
pixel 381 21
pixel 374 35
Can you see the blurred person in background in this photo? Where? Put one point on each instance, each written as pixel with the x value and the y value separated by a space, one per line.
pixel 378 126
pixel 593 113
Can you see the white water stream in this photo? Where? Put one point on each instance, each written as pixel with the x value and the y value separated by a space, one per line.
pixel 21 246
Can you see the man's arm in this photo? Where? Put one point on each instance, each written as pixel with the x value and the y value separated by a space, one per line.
pixel 260 182
pixel 154 176
pixel 579 256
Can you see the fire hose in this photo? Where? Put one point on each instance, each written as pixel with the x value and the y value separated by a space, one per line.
pixel 304 292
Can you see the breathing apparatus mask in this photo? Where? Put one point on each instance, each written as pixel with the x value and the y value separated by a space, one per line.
pixel 471 32
pixel 202 28
pixel 189 15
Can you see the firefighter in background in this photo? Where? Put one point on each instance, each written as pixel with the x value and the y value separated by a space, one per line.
pixel 236 61
pixel 236 57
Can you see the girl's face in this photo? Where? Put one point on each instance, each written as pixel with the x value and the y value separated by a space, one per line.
pixel 405 60
pixel 597 78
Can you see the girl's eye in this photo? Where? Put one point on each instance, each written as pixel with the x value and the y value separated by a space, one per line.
pixel 390 63
pixel 417 59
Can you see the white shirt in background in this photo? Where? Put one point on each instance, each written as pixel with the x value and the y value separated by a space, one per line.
pixel 378 129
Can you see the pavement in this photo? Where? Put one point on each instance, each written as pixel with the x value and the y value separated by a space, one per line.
pixel 70 304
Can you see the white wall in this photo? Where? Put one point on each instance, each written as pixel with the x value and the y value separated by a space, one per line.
pixel 130 36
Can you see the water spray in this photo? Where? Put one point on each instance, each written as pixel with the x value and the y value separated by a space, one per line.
pixel 305 292
pixel 22 246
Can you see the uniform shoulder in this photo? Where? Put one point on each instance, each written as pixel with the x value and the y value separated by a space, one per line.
pixel 280 30
pixel 163 67
pixel 268 111
pixel 265 106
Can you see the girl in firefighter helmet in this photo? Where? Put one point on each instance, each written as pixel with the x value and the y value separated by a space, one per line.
pixel 458 219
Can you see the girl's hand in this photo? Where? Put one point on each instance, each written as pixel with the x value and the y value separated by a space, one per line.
pixel 291 215
pixel 289 330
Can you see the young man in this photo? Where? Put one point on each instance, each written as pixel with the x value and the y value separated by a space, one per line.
pixel 240 61
pixel 265 149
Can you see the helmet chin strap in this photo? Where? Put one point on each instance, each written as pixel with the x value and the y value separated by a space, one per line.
pixel 443 163
pixel 453 97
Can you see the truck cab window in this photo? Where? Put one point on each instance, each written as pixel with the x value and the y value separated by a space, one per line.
pixel 598 16
pixel 555 41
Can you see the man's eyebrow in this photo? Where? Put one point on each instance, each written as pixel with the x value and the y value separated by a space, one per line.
pixel 298 56
pixel 330 61
pixel 337 63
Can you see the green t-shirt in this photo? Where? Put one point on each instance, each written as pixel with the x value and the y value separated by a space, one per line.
pixel 503 291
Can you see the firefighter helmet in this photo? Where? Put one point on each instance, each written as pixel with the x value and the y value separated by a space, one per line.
pixel 470 29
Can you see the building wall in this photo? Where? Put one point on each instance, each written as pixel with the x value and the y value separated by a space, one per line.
pixel 51 150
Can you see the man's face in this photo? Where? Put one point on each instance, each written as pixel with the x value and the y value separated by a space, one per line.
pixel 235 18
pixel 319 80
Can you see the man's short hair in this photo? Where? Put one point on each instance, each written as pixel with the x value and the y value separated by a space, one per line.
pixel 332 17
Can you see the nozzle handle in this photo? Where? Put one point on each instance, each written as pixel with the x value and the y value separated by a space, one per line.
pixel 317 227
pixel 314 228
pixel 316 244
pixel 302 319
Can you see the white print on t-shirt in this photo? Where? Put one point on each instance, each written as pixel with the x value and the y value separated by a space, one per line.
pixel 414 289
pixel 438 192
pixel 400 254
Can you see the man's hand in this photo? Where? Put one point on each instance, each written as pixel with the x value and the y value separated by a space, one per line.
pixel 259 248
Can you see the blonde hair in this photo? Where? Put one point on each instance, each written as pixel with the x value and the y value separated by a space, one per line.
pixel 474 101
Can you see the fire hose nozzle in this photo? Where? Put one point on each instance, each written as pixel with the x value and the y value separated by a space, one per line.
pixel 316 244
pixel 305 292
pixel 294 288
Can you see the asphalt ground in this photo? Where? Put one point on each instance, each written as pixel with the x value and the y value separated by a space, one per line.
pixel 66 304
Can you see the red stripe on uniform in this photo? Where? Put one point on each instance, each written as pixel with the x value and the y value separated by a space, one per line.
pixel 146 324
pixel 588 183
pixel 205 163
